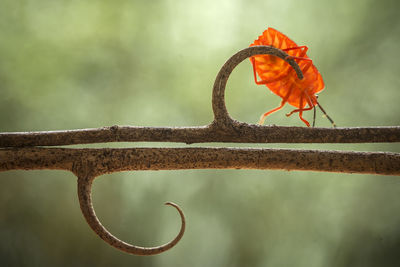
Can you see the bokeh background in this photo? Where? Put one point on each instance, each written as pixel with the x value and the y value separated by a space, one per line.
pixel 73 64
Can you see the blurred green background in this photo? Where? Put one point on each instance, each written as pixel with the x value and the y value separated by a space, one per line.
pixel 82 64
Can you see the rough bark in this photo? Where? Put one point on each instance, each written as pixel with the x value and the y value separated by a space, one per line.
pixel 108 160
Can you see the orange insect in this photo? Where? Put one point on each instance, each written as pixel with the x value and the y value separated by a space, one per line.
pixel 282 80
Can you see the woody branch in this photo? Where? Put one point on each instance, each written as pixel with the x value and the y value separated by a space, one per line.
pixel 107 160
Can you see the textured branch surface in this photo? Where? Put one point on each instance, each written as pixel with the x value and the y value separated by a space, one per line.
pixel 237 132
pixel 107 160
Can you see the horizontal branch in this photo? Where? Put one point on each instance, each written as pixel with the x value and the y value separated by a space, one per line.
pixel 107 160
pixel 236 133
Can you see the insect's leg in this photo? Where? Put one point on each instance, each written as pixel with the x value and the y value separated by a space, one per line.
pixel 301 112
pixel 262 118
pixel 253 61
pixel 299 58
pixel 307 66
pixel 303 52
pixel 283 102
pixel 300 109
pixel 304 49
pixel 263 81
pixel 304 120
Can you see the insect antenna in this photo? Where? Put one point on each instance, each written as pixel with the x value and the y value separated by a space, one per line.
pixel 315 113
pixel 326 115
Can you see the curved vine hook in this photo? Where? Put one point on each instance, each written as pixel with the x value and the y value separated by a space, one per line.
pixel 221 114
pixel 85 201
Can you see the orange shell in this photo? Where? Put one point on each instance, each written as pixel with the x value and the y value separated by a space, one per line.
pixel 271 67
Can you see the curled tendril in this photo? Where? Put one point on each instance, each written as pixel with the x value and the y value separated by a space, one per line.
pixel 85 200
